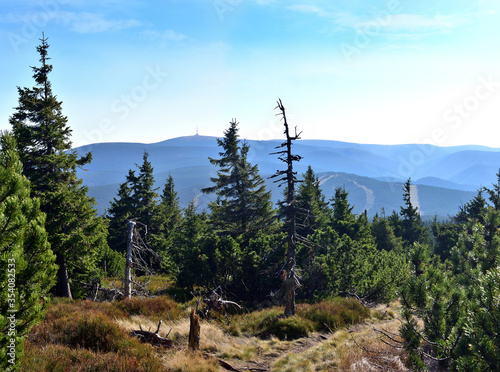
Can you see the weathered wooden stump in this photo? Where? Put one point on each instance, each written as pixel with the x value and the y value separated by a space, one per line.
pixel 194 331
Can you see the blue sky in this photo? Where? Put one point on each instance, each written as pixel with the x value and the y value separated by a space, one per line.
pixel 359 71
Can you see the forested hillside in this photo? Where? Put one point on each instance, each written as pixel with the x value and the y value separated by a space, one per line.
pixel 308 243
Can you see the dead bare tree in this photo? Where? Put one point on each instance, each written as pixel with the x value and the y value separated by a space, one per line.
pixel 288 177
pixel 137 251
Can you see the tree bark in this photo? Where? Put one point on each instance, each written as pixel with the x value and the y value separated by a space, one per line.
pixel 291 281
pixel 128 263
pixel 63 288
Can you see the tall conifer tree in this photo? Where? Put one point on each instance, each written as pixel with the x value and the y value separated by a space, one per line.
pixel 144 193
pixel 243 205
pixel 76 234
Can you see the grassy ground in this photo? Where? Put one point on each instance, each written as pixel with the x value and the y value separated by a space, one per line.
pixel 336 335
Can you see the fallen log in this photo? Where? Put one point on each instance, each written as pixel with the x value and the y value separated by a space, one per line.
pixel 153 338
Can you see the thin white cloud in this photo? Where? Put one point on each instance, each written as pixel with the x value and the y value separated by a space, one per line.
pixel 415 22
pixel 166 35
pixel 80 22
pixel 304 8
pixel 390 22
pixel 85 23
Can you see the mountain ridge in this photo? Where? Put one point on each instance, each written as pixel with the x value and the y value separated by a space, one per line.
pixel 453 173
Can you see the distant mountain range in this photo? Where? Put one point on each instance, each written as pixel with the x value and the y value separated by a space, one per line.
pixel 444 177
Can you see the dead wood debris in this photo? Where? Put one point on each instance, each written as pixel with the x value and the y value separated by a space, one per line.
pixel 153 338
pixel 216 303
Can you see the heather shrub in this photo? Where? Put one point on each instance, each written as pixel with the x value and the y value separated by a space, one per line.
pixel 163 307
pixel 61 358
pixel 82 336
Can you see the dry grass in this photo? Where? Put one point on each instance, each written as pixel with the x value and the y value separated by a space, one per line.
pixel 185 361
pixel 359 348
pixel 213 339
pixel 83 335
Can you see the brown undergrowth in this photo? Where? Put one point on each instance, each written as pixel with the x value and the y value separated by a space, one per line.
pixel 332 335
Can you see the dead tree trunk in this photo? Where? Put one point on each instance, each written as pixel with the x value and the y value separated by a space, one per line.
pixel 291 281
pixel 128 263
pixel 194 331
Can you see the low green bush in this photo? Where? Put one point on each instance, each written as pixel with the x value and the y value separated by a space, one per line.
pixel 270 322
pixel 324 316
pixel 333 314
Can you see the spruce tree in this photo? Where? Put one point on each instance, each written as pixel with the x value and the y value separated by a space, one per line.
pixel 27 262
pixel 483 327
pixel 187 255
pixel 243 205
pixel 350 263
pixel 384 235
pixel 76 234
pixel 412 227
pixel 166 220
pixel 475 209
pixel 343 220
pixel 120 210
pixel 494 194
pixel 310 198
pixel 144 193
pixel 136 199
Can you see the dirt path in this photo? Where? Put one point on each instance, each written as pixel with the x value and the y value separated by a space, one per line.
pixel 266 359
pixel 357 348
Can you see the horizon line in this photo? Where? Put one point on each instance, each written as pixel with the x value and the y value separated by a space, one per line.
pixel 281 139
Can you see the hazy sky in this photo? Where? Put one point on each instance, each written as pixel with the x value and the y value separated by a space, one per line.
pixel 363 71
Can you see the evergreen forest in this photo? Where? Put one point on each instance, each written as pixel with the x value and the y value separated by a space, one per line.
pixel 293 255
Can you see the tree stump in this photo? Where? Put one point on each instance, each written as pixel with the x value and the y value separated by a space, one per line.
pixel 194 331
